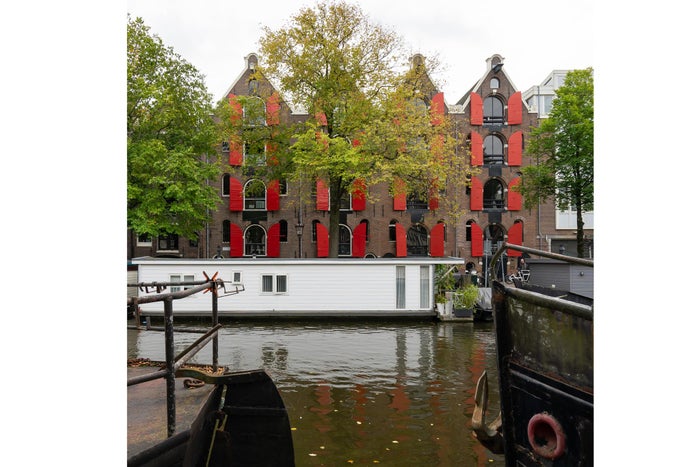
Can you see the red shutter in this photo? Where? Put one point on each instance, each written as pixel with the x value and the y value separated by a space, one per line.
pixel 359 237
pixel 273 241
pixel 515 149
pixel 237 108
pixel 321 119
pixel 271 153
pixel 236 241
pixel 322 196
pixel 477 109
pixel 515 109
pixel 273 109
pixel 434 198
pixel 477 240
pixel 400 241
pixel 476 198
pixel 273 196
pixel 321 241
pixel 437 240
pixel 399 195
pixel 437 109
pixel 358 195
pixel 515 237
pixel 477 149
pixel 515 199
pixel 235 154
pixel 235 199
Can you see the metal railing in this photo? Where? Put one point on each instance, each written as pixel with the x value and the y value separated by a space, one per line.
pixel 173 362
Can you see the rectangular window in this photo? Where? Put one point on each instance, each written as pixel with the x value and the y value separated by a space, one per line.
pixel 143 240
pixel 188 278
pixel 424 287
pixel 400 286
pixel 175 278
pixel 274 284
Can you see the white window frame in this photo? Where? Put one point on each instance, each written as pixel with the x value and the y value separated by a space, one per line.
pixel 180 278
pixel 233 277
pixel 275 284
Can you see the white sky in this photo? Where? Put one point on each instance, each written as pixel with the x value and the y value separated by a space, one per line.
pixel 534 37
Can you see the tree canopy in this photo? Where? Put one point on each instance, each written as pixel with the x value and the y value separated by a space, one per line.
pixel 171 139
pixel 562 149
pixel 371 122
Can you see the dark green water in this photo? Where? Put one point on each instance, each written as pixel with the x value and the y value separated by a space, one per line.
pixel 363 392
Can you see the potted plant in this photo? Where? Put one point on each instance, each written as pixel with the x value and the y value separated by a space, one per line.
pixel 464 299
pixel 444 282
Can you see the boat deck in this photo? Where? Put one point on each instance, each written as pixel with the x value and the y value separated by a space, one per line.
pixel 147 411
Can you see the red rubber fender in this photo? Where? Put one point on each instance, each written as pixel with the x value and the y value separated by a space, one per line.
pixel 546 436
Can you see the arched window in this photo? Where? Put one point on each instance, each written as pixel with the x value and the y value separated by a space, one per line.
pixel 344 240
pixel 493 150
pixel 493 194
pixel 226 185
pixel 469 230
pixel 493 110
pixel 392 230
pixel 253 87
pixel 494 83
pixel 417 241
pixel 226 231
pixel 254 153
pixel 254 195
pixel 255 238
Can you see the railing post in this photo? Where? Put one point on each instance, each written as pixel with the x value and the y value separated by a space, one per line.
pixel 169 363
pixel 215 321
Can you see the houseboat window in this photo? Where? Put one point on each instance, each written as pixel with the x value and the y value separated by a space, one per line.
pixel 188 278
pixel 175 278
pixel 274 284
pixel 400 286
pixel 424 286
pixel 236 277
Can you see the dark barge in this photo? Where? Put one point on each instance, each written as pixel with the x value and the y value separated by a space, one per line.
pixel 545 365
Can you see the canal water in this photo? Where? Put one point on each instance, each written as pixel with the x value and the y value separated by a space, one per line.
pixel 362 392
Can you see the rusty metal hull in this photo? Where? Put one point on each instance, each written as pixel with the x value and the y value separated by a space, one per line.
pixel 545 355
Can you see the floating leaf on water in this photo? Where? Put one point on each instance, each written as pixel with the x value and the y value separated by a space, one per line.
pixel 395 442
pixel 294 428
pixel 312 454
pixel 358 422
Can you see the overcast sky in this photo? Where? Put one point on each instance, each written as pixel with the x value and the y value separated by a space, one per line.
pixel 535 36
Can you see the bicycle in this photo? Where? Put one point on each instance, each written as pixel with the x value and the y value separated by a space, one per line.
pixel 522 275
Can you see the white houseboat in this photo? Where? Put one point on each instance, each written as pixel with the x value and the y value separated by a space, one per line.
pixel 274 287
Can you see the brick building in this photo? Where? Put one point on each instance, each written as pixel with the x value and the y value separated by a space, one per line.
pixel 274 218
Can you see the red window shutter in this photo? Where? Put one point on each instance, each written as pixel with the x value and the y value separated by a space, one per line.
pixel 515 149
pixel 359 237
pixel 237 108
pixel 515 237
pixel 399 195
pixel 477 240
pixel 515 109
pixel 271 153
pixel 235 199
pixel 476 198
pixel 437 240
pixel 358 195
pixel 434 198
pixel 273 109
pixel 321 119
pixel 477 109
pixel 477 149
pixel 515 199
pixel 235 155
pixel 400 241
pixel 321 241
pixel 273 196
pixel 273 241
pixel 322 196
pixel 236 241
pixel 437 109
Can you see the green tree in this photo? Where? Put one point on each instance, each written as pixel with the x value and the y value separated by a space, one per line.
pixel 171 139
pixel 562 149
pixel 333 61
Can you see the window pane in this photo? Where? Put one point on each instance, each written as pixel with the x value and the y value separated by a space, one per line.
pixel 281 284
pixel 400 286
pixel 267 283
pixel 424 287
pixel 188 278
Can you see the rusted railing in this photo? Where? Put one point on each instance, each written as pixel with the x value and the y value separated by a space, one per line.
pixel 172 362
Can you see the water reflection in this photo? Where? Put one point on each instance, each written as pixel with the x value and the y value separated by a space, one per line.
pixel 394 393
